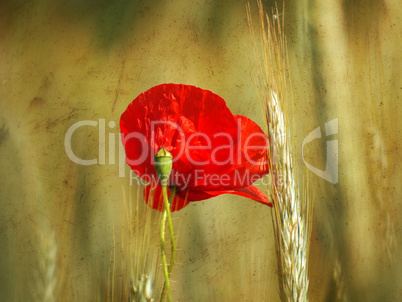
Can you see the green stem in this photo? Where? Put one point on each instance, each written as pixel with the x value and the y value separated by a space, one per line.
pixel 164 261
pixel 170 226
pixel 166 214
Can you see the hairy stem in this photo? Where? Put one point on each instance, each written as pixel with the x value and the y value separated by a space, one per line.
pixel 170 225
pixel 167 271
pixel 166 287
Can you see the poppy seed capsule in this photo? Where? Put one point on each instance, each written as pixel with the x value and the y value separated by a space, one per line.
pixel 163 165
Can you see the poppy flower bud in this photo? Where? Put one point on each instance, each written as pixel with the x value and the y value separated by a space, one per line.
pixel 163 165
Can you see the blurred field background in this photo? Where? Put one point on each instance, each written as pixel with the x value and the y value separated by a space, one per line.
pixel 66 233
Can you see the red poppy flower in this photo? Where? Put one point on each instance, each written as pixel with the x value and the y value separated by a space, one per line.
pixel 214 152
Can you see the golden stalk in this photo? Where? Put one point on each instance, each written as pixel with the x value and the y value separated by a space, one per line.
pixel 139 260
pixel 292 208
pixel 45 275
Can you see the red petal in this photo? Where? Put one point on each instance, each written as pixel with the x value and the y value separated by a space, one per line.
pixel 166 116
pixel 154 197
pixel 252 150
pixel 249 192
pixel 181 112
pixel 250 160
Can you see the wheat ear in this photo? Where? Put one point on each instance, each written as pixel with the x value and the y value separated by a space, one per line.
pixel 292 208
pixel 45 275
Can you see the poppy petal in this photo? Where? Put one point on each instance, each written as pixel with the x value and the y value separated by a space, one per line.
pixel 250 162
pixel 252 150
pixel 154 197
pixel 205 139
pixel 169 115
pixel 251 192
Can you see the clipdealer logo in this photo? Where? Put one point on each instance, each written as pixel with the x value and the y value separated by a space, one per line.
pixel 101 160
pixel 330 173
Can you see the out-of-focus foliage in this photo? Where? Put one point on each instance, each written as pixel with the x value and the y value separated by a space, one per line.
pixel 63 226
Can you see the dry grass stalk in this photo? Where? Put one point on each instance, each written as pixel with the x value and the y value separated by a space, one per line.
pixel 143 258
pixel 45 277
pixel 339 281
pixel 292 209
pixel 137 259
